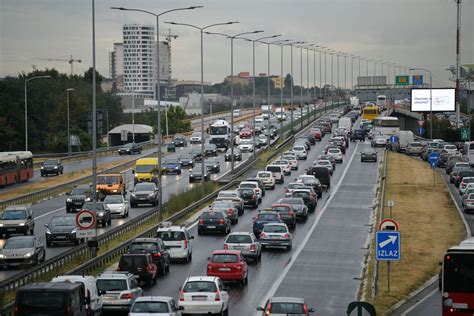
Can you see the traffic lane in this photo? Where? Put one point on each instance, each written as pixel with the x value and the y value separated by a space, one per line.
pixel 429 305
pixel 326 273
pixel 244 300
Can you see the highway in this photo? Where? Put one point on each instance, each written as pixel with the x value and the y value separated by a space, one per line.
pixel 327 254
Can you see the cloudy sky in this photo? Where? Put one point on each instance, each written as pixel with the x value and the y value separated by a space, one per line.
pixel 418 33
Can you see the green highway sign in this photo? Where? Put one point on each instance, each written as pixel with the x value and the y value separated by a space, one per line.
pixel 464 133
pixel 402 80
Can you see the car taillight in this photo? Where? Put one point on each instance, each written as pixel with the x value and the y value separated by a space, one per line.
pixel 68 310
pixel 201 221
pixel 221 221
pixel 17 310
pixel 185 244
pixel 218 297
pixel 181 296
pixel 126 296
pixel 286 236
pixel 263 235
pixel 291 213
pixel 226 247
pixel 253 248
pixel 231 211
pixel 253 197
pixel 305 309
pixel 269 306
pixel 149 268
pixel 209 267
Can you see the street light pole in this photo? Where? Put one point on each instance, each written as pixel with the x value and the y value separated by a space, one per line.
pixel 68 133
pixel 26 107
pixel 201 30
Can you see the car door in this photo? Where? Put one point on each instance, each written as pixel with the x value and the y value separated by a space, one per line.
pixel 30 223
pixel 164 252
pixel 224 294
pixel 39 248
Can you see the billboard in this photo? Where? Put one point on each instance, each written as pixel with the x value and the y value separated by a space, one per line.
pixel 443 100
pixel 364 81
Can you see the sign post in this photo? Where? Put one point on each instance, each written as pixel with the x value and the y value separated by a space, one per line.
pixel 86 221
pixel 387 249
pixel 433 160
pixel 390 205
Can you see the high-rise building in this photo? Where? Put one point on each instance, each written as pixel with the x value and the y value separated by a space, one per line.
pixel 116 61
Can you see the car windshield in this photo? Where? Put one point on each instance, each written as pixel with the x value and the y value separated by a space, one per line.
pixel 245 191
pixel 281 209
pixel 171 161
pixel 324 163
pixel 227 194
pixel 298 148
pixel 267 217
pixel 105 285
pixel 113 199
pixel 145 187
pixel 90 206
pixel 300 193
pixel 274 169
pixel 292 201
pixel 171 236
pixel 107 179
pixel 144 168
pixel 63 221
pixel 274 229
pixel 224 258
pixel 129 145
pixel 51 163
pixel 239 239
pixel 248 185
pixel 450 147
pixel 14 214
pixel 213 215
pixel 199 286
pixel 79 191
pixel 18 243
pixel 334 151
pixel 196 135
pixel 186 157
pixel 150 307
pixel 416 145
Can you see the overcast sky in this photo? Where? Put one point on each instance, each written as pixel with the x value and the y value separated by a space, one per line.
pixel 418 33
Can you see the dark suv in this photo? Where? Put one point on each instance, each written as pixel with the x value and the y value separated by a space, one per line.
pixel 77 197
pixel 180 141
pixel 358 134
pixel 141 265
pixel 102 212
pixel 51 166
pixel 156 248
pixel 130 149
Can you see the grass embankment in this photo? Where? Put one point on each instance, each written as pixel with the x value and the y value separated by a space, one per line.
pixel 428 222
pixel 176 203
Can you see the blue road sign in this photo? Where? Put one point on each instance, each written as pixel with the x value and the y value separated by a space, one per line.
pixel 417 80
pixel 393 139
pixel 433 158
pixel 421 130
pixel 388 246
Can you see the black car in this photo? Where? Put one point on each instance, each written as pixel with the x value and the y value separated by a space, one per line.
pixel 195 175
pixel 186 161
pixel 77 197
pixel 102 212
pixel 310 201
pixel 237 155
pixel 249 197
pixel 154 246
pixel 196 153
pixel 140 265
pixel 213 165
pixel 180 141
pixel 171 165
pixel 358 134
pixel 210 150
pixel 311 138
pixel 51 166
pixel 130 149
pixel 286 214
pixel 368 155
pixel 299 207
pixel 60 229
pixel 211 221
pixel 322 174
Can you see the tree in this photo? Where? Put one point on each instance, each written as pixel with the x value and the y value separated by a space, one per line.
pixel 177 121
pixel 7 135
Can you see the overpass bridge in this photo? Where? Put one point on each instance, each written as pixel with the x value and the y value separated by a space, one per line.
pixel 408 120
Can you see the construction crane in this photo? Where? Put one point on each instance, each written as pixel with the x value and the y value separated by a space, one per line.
pixel 70 60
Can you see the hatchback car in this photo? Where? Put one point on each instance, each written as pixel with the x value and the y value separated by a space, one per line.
pixel 309 199
pixel 285 164
pixel 213 221
pixel 204 295
pixel 263 218
pixel 298 206
pixel 246 243
pixel 249 196
pixel 156 248
pixel 102 212
pixel 21 251
pixel 213 165
pixel 286 213
pixel 235 197
pixel 17 219
pixel 177 239
pixel 285 306
pixel 144 193
pixel 246 145
pixel 140 265
pixel 276 235
pixel 228 207
pixel 368 155
pixel 300 152
pixel 324 163
pixel 118 290
pixel 336 153
pixel 155 305
pixel 267 179
pixel 414 148
pixel 228 265
pixel 117 205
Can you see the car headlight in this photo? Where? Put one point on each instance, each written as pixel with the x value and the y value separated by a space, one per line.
pixel 100 214
pixel 176 167
pixel 151 194
pixel 68 200
pixel 74 231
pixel 55 167
pixel 87 199
pixel 48 231
pixel 42 167
pixel 29 254
pixel 2 256
pixel 22 224
pixel 1 225
pixel 115 191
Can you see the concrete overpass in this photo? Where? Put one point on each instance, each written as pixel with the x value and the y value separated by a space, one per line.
pixel 408 120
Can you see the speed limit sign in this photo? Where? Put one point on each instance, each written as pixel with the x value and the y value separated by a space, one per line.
pixel 86 219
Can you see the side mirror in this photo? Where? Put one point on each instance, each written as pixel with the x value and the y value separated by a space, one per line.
pixel 259 308
pixel 192 237
pixel 46 225
pixel 311 310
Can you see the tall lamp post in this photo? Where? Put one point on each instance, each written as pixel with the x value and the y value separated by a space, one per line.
pixel 26 106
pixel 157 95
pixel 232 90
pixel 431 99
pixel 68 134
pixel 201 31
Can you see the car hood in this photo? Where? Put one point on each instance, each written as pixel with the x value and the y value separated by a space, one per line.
pixel 170 165
pixel 12 222
pixel 77 196
pixel 115 206
pixel 143 192
pixel 17 252
pixel 61 229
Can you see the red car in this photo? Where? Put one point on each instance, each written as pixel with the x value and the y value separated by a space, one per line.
pixel 246 133
pixel 229 265
pixel 318 135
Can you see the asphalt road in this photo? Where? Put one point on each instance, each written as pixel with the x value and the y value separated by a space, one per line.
pixel 337 231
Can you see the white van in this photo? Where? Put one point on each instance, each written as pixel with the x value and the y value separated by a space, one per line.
pixel 277 173
pixel 90 288
pixel 468 151
pixel 345 122
pixel 404 139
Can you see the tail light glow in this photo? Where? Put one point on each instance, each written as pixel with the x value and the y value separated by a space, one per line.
pixel 253 248
pixel 221 221
pixel 263 235
pixel 286 236
pixel 201 221
pixel 181 296
pixel 185 244
pixel 156 254
pixel 126 296
pixel 218 297
pixel 226 247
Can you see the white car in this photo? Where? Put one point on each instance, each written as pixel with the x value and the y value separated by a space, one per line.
pixel 246 145
pixel 379 141
pixel 155 305
pixel 117 205
pixel 277 172
pixel 324 163
pixel 293 186
pixel 276 235
pixel 451 149
pixel 204 295
pixel 119 290
pixel 177 240
pixel 336 153
pixel 252 185
pixel 196 138
pixel 300 152
pixel 285 164
pixel 267 179
pixel 293 159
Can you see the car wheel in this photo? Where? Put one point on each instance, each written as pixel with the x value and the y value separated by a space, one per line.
pixel 104 224
pixel 288 247
pixel 200 232
pixel 43 259
pixel 110 221
pixel 35 262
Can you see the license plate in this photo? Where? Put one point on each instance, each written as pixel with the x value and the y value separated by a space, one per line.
pixel 61 237
pixel 224 269
pixel 238 247
pixel 212 227
pixel 11 229
pixel 275 237
pixel 199 298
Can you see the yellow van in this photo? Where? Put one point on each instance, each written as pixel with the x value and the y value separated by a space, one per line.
pixel 146 170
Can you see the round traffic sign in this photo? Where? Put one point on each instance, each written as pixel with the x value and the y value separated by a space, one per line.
pixel 388 224
pixel 85 219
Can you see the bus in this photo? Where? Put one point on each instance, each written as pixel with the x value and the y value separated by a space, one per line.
pixel 457 280
pixel 381 101
pixel 15 167
pixel 370 112
pixel 386 125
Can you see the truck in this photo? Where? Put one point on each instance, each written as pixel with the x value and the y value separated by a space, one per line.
pixel 354 101
pixel 280 114
pixel 345 122
pixel 267 111
pixel 220 134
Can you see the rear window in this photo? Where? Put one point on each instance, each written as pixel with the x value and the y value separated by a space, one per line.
pixel 468 180
pixel 199 286
pixel 263 175
pixel 415 145
pixel 292 201
pixel 150 307
pixel 224 258
pixel 248 185
pixel 171 236
pixel 128 263
pixel 301 193
pixel 281 209
pixel 213 215
pixel 298 148
pixel 274 229
pixel 41 301
pixel 14 214
pixel 267 217
pixel 274 169
pixel 144 246
pixel 112 285
pixel 239 239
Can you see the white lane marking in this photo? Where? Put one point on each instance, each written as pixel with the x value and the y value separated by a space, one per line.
pixel 419 302
pixel 51 212
pixel 287 268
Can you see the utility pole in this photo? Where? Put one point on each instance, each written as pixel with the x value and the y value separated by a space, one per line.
pixel 458 59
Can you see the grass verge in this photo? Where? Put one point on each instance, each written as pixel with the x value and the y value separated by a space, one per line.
pixel 428 222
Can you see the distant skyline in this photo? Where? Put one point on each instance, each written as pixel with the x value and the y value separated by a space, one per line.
pixel 412 33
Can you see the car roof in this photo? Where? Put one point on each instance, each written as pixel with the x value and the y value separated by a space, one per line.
pixel 22 237
pixel 60 286
pixel 201 278
pixel 17 207
pixel 240 233
pixel 145 240
pixel 223 251
pixel 114 275
pixel 154 299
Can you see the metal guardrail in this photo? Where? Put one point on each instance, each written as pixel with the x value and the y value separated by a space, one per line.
pixel 49 265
